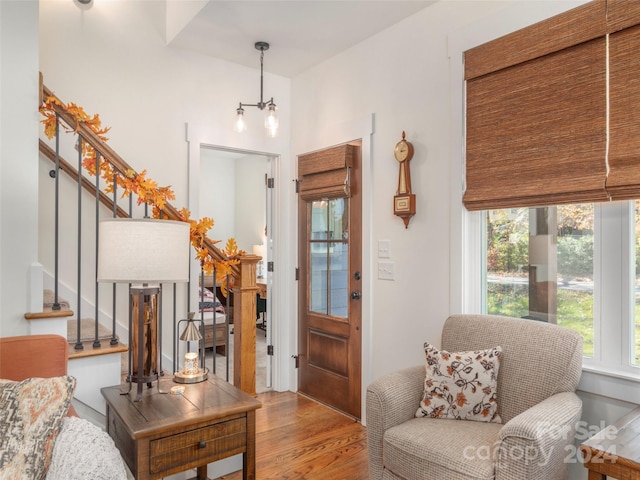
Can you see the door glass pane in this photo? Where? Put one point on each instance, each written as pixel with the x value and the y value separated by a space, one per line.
pixel 328 257
pixel 339 280
pixel 540 266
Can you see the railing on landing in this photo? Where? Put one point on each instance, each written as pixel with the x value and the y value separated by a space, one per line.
pixel 244 286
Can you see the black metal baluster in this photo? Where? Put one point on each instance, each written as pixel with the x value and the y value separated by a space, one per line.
pixel 114 340
pixel 200 301
pixel 175 329
pixel 227 323
pixel 79 345
pixel 129 309
pixel 160 372
pixel 96 341
pixel 56 176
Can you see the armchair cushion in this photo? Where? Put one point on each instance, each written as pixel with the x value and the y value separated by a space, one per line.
pixel 438 449
pixel 32 413
pixel 461 385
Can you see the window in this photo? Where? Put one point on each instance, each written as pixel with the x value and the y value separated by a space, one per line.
pixel 329 259
pixel 540 266
pixel 567 265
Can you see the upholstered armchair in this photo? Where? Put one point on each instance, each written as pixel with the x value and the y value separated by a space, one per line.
pixel 538 373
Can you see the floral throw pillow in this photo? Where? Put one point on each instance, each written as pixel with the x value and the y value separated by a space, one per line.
pixel 461 385
pixel 32 413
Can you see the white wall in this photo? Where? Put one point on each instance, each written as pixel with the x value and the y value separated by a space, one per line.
pixel 233 193
pixel 18 160
pixel 250 201
pixel 217 193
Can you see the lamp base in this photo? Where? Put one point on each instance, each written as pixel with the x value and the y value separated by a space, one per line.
pixel 201 376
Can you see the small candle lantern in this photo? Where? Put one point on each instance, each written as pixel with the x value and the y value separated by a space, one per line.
pixel 191 373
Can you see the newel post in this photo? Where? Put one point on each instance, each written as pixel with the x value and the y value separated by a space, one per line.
pixel 244 325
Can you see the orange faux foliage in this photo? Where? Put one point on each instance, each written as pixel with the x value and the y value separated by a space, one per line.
pixel 145 188
pixel 233 254
pixel 199 239
pixel 79 115
pixel 231 249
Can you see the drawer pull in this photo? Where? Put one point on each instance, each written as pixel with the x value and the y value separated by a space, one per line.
pixel 202 444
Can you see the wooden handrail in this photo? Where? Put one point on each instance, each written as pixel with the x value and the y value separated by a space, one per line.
pixel 118 162
pixel 67 168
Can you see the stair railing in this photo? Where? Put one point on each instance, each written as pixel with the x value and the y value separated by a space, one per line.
pixel 243 271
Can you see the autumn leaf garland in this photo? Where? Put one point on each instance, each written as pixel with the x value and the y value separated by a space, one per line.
pixel 145 188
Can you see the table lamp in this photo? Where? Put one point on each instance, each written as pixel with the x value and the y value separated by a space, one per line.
pixel 144 253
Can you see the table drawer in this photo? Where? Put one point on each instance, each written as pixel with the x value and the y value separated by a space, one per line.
pixel 198 446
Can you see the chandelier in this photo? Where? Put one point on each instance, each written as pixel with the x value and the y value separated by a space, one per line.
pixel 271 118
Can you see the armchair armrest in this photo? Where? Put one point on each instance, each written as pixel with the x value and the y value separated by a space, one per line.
pixel 533 445
pixel 391 400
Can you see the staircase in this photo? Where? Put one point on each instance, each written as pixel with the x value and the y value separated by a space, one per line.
pixel 76 203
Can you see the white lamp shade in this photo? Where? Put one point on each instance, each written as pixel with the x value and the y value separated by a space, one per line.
pixel 261 251
pixel 143 250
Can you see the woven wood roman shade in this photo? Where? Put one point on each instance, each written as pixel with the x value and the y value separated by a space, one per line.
pixel 624 92
pixel 537 111
pixel 325 174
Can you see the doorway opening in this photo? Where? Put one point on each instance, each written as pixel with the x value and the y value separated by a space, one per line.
pixel 234 190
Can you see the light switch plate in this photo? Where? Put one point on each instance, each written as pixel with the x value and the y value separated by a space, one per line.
pixel 386 270
pixel 384 249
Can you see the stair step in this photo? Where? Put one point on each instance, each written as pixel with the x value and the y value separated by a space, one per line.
pixel 47 308
pixel 87 335
pixel 89 350
pixel 48 301
pixel 48 314
pixel 87 331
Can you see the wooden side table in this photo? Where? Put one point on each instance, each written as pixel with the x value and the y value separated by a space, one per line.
pixel 163 433
pixel 615 450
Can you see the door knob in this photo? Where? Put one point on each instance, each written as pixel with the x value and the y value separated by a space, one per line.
pixel 355 295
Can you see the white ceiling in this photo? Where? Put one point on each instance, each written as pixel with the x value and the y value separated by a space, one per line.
pixel 301 33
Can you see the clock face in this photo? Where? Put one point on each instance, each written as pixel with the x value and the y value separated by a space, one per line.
pixel 403 151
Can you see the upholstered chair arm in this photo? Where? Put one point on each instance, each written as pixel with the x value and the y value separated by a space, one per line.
pixel 391 400
pixel 535 444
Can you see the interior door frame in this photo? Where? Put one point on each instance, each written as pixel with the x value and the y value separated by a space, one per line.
pixel 361 128
pixel 201 136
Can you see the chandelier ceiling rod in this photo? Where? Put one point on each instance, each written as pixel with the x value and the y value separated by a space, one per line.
pixel 262 46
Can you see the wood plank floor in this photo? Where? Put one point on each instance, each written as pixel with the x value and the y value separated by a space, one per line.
pixel 298 438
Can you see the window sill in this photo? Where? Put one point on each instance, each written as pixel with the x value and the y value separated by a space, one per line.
pixel 610 383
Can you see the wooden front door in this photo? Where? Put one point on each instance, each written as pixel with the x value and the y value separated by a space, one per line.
pixel 330 249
